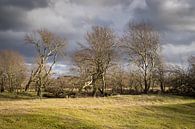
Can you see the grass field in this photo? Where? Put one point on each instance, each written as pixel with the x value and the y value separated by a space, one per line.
pixel 117 112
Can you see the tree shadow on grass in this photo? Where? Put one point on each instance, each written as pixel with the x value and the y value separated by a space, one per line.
pixel 180 116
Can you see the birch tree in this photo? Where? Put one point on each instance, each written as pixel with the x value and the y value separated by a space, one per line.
pixel 97 56
pixel 141 42
pixel 48 47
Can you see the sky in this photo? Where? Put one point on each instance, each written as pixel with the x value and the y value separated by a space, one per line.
pixel 174 19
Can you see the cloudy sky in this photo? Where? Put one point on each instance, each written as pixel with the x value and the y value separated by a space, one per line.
pixel 174 19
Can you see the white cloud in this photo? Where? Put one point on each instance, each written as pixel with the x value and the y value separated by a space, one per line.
pixel 178 53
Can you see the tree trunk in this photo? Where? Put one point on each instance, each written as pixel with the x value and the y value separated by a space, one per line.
pixel 145 84
pixel 94 86
pixel 10 84
pixel 101 91
pixel 162 87
pixel 40 86
pixel 94 91
pixel 2 88
pixel 28 84
pixel 121 88
pixel 104 84
pixel 2 85
pixel 32 77
pixel 39 91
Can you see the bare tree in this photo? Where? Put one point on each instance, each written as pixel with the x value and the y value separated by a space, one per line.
pixel 48 47
pixel 141 42
pixel 160 73
pixel 117 78
pixel 12 70
pixel 178 79
pixel 191 75
pixel 97 56
pixel 191 62
pixel 135 82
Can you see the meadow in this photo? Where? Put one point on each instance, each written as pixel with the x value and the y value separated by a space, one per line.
pixel 114 112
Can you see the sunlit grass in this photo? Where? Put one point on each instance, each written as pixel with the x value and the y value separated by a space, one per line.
pixel 140 111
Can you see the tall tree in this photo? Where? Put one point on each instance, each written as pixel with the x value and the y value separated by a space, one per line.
pixel 191 75
pixel 97 56
pixel 141 42
pixel 48 47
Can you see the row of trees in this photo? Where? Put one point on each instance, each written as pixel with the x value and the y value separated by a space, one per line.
pixel 96 64
pixel 140 44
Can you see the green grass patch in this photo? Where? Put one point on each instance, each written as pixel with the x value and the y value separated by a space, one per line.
pixel 17 96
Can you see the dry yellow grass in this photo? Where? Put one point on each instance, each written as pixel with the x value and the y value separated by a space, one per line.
pixel 140 111
pixel 109 102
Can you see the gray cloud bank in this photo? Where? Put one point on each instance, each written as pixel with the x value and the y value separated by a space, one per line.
pixel 174 19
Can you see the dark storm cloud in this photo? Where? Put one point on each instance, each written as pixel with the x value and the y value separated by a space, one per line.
pixel 13 13
pixel 12 19
pixel 24 4
pixel 14 23
pixel 174 19
pixel 15 41
pixel 176 15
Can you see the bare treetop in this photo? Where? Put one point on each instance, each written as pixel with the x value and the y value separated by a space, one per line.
pixel 46 43
pixel 101 47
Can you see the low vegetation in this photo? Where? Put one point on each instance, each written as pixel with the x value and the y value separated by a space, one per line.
pixel 117 112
